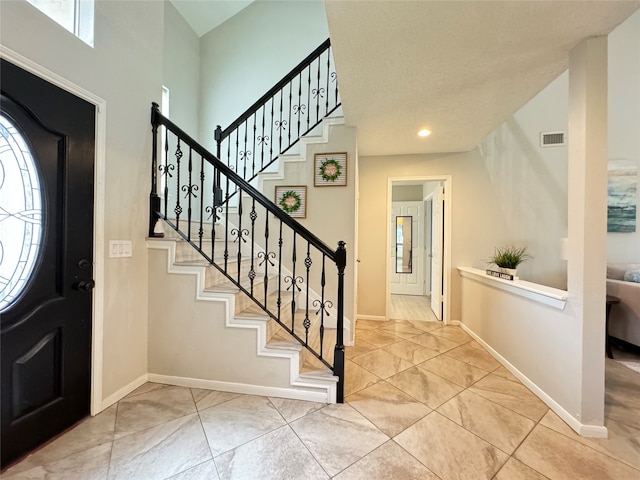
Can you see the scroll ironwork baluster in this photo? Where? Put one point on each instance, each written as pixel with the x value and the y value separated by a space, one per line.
pixel 201 223
pixel 290 124
pixel 307 322
pixel 280 242
pixel 178 209
pixel 326 110
pixel 226 227
pixel 253 215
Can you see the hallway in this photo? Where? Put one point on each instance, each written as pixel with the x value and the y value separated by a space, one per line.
pixel 423 401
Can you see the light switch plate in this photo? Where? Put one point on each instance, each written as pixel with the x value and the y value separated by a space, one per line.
pixel 119 248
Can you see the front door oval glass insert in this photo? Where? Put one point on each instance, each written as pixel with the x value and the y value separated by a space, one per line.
pixel 20 213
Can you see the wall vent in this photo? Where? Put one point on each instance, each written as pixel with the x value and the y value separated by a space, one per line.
pixel 552 139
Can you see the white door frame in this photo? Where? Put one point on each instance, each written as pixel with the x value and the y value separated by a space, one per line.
pixel 99 211
pixel 446 265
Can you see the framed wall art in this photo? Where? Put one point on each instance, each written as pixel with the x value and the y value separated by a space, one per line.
pixel 330 169
pixel 622 195
pixel 292 200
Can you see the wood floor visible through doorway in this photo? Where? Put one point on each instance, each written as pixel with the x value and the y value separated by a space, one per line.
pixel 411 307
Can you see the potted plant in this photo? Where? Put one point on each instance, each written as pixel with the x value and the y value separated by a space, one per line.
pixel 508 258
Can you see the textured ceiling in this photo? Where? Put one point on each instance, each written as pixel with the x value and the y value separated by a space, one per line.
pixel 458 68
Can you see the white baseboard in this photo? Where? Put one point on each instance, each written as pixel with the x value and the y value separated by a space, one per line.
pixel 582 429
pixel 246 389
pixel 372 317
pixel 123 392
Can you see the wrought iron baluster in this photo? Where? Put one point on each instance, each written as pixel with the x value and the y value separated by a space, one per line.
pixel 317 94
pixel 201 223
pixel 279 126
pixel 300 109
pixel 253 161
pixel 178 209
pixel 189 192
pixel 290 102
pixel 279 302
pixel 240 232
pixel 271 134
pixel 166 172
pixel 309 95
pixel 307 322
pixel 326 111
pixel 237 150
pixel 253 215
pixel 244 154
pixel 226 227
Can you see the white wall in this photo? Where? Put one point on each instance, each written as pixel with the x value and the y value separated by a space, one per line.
pixel 181 70
pixel 624 123
pixel 249 53
pixel 124 69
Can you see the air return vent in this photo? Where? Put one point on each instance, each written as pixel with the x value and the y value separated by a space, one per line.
pixel 552 139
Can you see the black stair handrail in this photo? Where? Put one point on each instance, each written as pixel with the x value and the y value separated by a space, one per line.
pixel 338 257
pixel 243 140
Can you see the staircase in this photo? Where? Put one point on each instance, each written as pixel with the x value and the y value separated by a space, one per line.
pixel 267 271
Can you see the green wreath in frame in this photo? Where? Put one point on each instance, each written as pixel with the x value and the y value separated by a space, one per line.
pixel 330 170
pixel 290 201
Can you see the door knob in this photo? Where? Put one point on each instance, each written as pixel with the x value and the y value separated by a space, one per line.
pixel 83 286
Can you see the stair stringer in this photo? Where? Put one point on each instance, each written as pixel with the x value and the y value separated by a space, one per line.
pixel 315 386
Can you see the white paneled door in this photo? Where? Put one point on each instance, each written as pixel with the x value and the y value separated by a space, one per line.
pixel 406 247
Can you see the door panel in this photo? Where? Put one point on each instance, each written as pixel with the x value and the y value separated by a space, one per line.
pixel 437 232
pixel 408 283
pixel 45 333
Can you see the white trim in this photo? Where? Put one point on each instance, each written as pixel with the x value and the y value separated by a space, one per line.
pixel 99 212
pixel 596 431
pixel 124 391
pixel 446 263
pixel 244 388
pixel 549 296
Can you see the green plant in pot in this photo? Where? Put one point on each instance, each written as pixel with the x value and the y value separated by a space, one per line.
pixel 508 258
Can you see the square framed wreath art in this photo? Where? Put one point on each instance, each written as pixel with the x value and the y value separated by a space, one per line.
pixel 330 169
pixel 292 199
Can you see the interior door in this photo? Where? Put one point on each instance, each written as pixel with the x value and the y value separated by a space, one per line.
pixel 45 305
pixel 410 279
pixel 437 236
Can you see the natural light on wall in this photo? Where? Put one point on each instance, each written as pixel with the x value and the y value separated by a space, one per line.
pixel 74 15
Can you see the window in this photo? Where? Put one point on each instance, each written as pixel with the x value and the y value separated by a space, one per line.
pixel 20 213
pixel 74 15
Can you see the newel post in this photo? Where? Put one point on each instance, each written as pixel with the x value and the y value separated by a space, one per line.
pixel 154 199
pixel 338 355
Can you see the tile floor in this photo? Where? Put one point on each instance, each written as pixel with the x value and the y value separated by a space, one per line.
pixel 423 402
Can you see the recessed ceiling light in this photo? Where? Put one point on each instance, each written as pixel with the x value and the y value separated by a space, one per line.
pixel 424 132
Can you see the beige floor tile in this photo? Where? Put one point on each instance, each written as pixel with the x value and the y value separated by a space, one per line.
pixel 622 443
pixel 390 461
pixel 425 326
pixel 427 387
pixel 454 370
pixel 378 338
pixel 147 387
pixel 516 470
pixel 359 348
pixel 382 363
pixel 161 451
pixel 511 395
pixel 91 432
pixel 388 408
pixel 558 457
pixel 204 471
pixel 493 423
pixel 504 373
pixel 453 333
pixel 475 355
pixel 209 398
pixel 294 409
pixel 371 324
pixel 621 399
pixel 357 378
pixel 462 456
pixel 338 436
pixel 276 455
pixel 433 342
pixel 411 351
pixel 152 408
pixel 90 464
pixel 402 330
pixel 238 421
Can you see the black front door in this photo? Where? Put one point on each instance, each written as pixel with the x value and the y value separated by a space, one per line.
pixel 46 259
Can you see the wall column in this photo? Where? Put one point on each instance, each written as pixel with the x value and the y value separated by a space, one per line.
pixel 587 216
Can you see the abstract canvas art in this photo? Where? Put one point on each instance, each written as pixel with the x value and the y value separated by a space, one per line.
pixel 622 192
